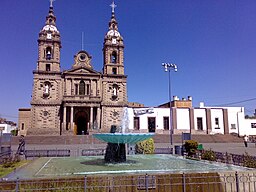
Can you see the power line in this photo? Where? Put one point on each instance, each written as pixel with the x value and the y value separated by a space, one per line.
pixel 9 116
pixel 237 102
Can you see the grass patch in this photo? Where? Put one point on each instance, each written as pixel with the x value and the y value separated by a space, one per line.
pixel 7 170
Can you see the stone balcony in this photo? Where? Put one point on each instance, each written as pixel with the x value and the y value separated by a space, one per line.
pixel 82 98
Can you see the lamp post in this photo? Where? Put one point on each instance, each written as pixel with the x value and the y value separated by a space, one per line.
pixel 167 68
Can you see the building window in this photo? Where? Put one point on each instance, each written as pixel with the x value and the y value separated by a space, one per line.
pixel 217 125
pixel 199 123
pixel 136 123
pixel 253 125
pixel 76 89
pixel 233 126
pixel 2 129
pixel 81 88
pixel 22 126
pixel 114 71
pixel 88 89
pixel 48 67
pixel 166 123
pixel 113 57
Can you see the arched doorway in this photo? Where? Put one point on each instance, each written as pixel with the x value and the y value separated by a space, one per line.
pixel 82 123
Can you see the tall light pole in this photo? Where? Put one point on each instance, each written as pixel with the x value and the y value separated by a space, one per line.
pixel 167 68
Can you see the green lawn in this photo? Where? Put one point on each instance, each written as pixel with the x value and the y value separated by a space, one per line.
pixel 5 171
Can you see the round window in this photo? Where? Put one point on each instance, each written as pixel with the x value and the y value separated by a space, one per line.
pixel 82 57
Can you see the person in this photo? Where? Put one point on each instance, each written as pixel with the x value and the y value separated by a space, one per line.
pixel 246 138
pixel 21 147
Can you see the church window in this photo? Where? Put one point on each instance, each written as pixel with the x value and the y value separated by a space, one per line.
pixel 22 126
pixel 48 53
pixel 88 89
pixel 76 89
pixel 48 67
pixel 81 88
pixel 114 57
pixel 114 71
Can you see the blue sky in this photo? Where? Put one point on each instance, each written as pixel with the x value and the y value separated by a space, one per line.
pixel 213 42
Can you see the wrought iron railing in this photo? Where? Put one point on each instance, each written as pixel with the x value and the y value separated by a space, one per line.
pixel 186 182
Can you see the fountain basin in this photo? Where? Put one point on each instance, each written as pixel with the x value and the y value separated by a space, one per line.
pixel 48 167
pixel 123 138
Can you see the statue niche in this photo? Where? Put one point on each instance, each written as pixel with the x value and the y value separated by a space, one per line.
pixel 46 89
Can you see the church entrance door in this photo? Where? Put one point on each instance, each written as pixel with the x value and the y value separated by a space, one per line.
pixel 82 124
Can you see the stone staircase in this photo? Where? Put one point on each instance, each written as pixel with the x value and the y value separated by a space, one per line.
pixel 88 139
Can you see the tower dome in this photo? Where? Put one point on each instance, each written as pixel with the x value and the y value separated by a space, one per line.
pixel 113 25
pixel 50 24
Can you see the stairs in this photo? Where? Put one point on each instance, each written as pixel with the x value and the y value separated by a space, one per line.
pixel 88 139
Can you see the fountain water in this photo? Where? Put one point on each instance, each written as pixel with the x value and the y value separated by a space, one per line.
pixel 117 139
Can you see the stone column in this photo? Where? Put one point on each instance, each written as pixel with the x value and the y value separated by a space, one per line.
pixel 91 87
pixel 96 87
pixel 72 118
pixel 65 87
pixel 71 87
pixel 174 119
pixel 225 119
pixel 208 121
pixel 98 117
pixel 64 118
pixel 191 120
pixel 91 118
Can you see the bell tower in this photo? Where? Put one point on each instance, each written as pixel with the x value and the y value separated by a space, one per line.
pixel 47 83
pixel 49 45
pixel 114 82
pixel 113 49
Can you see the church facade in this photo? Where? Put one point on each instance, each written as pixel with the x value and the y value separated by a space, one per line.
pixel 79 100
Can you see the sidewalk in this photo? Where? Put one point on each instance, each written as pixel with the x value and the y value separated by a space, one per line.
pixel 235 148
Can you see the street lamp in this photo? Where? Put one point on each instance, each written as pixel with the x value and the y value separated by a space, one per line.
pixel 167 68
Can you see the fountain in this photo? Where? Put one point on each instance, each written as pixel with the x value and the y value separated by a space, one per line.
pixel 158 164
pixel 118 138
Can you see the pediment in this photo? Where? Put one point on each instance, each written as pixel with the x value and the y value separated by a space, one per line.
pixel 82 58
pixel 82 70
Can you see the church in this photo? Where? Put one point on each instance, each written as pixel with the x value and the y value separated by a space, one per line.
pixel 78 100
pixel 83 101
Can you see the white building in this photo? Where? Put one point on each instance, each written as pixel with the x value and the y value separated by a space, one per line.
pixel 6 128
pixel 185 118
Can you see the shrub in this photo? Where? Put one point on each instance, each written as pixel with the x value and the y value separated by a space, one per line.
pixel 249 161
pixel 209 155
pixel 145 147
pixel 191 147
pixel 14 132
pixel 10 161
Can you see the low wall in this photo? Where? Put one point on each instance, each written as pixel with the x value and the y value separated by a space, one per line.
pixel 215 182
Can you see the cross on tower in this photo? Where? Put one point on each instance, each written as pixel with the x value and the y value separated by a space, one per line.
pixel 51 1
pixel 113 5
